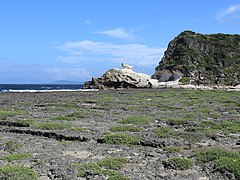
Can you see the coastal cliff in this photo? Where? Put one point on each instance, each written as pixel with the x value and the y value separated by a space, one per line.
pixel 201 59
pixel 192 60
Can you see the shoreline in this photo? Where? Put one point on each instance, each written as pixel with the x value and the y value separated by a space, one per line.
pixel 160 85
pixel 47 91
pixel 183 87
pixel 202 87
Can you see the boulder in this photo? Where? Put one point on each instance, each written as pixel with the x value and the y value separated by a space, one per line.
pixel 119 78
pixel 167 75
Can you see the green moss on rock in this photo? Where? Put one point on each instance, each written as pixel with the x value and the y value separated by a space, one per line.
pixel 203 59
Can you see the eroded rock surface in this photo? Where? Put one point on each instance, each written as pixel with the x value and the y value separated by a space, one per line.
pixel 212 59
pixel 179 124
pixel 119 78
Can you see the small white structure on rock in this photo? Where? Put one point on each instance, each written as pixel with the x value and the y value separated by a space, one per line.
pixel 126 66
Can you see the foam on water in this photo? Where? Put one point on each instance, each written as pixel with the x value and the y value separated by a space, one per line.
pixel 55 90
pixel 41 88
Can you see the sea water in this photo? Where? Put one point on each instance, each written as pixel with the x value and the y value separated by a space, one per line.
pixel 40 87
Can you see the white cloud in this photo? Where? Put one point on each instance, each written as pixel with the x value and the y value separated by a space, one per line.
pixel 21 73
pixel 69 59
pixel 229 14
pixel 119 33
pixel 135 54
pixel 67 73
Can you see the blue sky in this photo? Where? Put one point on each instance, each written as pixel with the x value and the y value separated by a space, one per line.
pixel 47 40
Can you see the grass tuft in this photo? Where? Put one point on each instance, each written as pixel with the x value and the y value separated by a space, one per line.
pixel 5 113
pixel 111 163
pixel 231 165
pixel 122 139
pixel 88 168
pixel 106 167
pixel 178 121
pixel 52 126
pixel 180 163
pixel 163 132
pixel 17 173
pixel 224 126
pixel 222 159
pixel 70 117
pixel 214 154
pixel 14 157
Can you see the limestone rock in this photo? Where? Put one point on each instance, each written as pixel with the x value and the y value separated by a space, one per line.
pixel 119 78
pixel 167 75
pixel 212 59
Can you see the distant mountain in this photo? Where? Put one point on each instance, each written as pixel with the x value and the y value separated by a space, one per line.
pixel 66 82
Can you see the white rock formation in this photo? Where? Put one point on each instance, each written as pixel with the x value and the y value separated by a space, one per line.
pixel 126 66
pixel 127 78
pixel 120 78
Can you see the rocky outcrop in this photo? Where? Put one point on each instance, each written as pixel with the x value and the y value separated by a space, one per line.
pixel 201 59
pixel 119 78
pixel 194 59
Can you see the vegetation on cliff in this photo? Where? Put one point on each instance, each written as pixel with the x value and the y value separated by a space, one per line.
pixel 203 59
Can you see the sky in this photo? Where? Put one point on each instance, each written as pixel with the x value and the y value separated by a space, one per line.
pixel 42 41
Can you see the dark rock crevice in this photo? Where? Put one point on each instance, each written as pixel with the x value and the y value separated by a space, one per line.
pixel 52 135
pixel 15 124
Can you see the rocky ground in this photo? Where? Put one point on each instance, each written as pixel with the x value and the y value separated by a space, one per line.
pixel 120 134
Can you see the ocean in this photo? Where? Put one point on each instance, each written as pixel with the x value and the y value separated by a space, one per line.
pixel 39 87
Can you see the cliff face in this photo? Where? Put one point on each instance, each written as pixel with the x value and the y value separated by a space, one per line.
pixel 201 59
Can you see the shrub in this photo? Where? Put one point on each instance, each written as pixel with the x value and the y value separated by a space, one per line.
pixel 111 163
pixel 163 132
pixel 52 126
pixel 14 157
pixel 180 163
pixel 214 154
pixel 122 139
pixel 75 115
pixel 78 129
pixel 136 120
pixel 27 121
pixel 17 173
pixel 106 167
pixel 70 117
pixel 63 118
pixel 229 164
pixel 178 121
pixel 5 113
pixel 225 126
pixel 222 159
pixel 185 80
pixel 125 128
pixel 88 168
